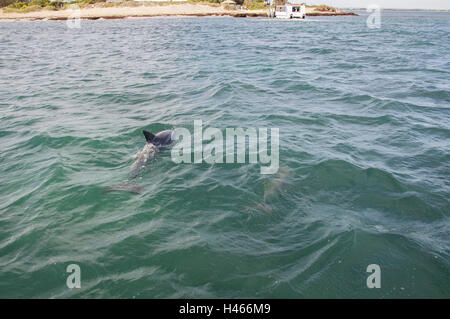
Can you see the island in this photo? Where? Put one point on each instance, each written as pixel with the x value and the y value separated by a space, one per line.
pixel 121 9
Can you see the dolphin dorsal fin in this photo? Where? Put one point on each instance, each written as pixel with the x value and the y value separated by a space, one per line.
pixel 148 136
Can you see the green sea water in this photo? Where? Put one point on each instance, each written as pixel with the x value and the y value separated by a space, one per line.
pixel 364 122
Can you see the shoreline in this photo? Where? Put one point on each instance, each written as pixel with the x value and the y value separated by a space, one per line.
pixel 146 11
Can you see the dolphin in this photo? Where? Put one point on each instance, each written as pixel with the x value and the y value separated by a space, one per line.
pixel 271 191
pixel 154 142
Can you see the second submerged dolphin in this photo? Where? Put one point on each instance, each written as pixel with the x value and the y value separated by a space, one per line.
pixel 271 191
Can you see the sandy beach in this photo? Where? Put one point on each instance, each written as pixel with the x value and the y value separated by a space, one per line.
pixel 184 9
pixel 147 10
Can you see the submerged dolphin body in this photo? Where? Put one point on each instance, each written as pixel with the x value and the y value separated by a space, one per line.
pixel 151 148
pixel 271 191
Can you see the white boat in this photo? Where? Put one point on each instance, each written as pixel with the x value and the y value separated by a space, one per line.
pixel 291 10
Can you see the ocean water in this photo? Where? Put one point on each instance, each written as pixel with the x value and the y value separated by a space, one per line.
pixel 364 122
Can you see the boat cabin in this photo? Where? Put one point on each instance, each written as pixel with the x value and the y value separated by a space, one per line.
pixel 290 11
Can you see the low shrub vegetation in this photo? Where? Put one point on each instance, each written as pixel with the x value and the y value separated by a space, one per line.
pixel 255 4
pixel 35 5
